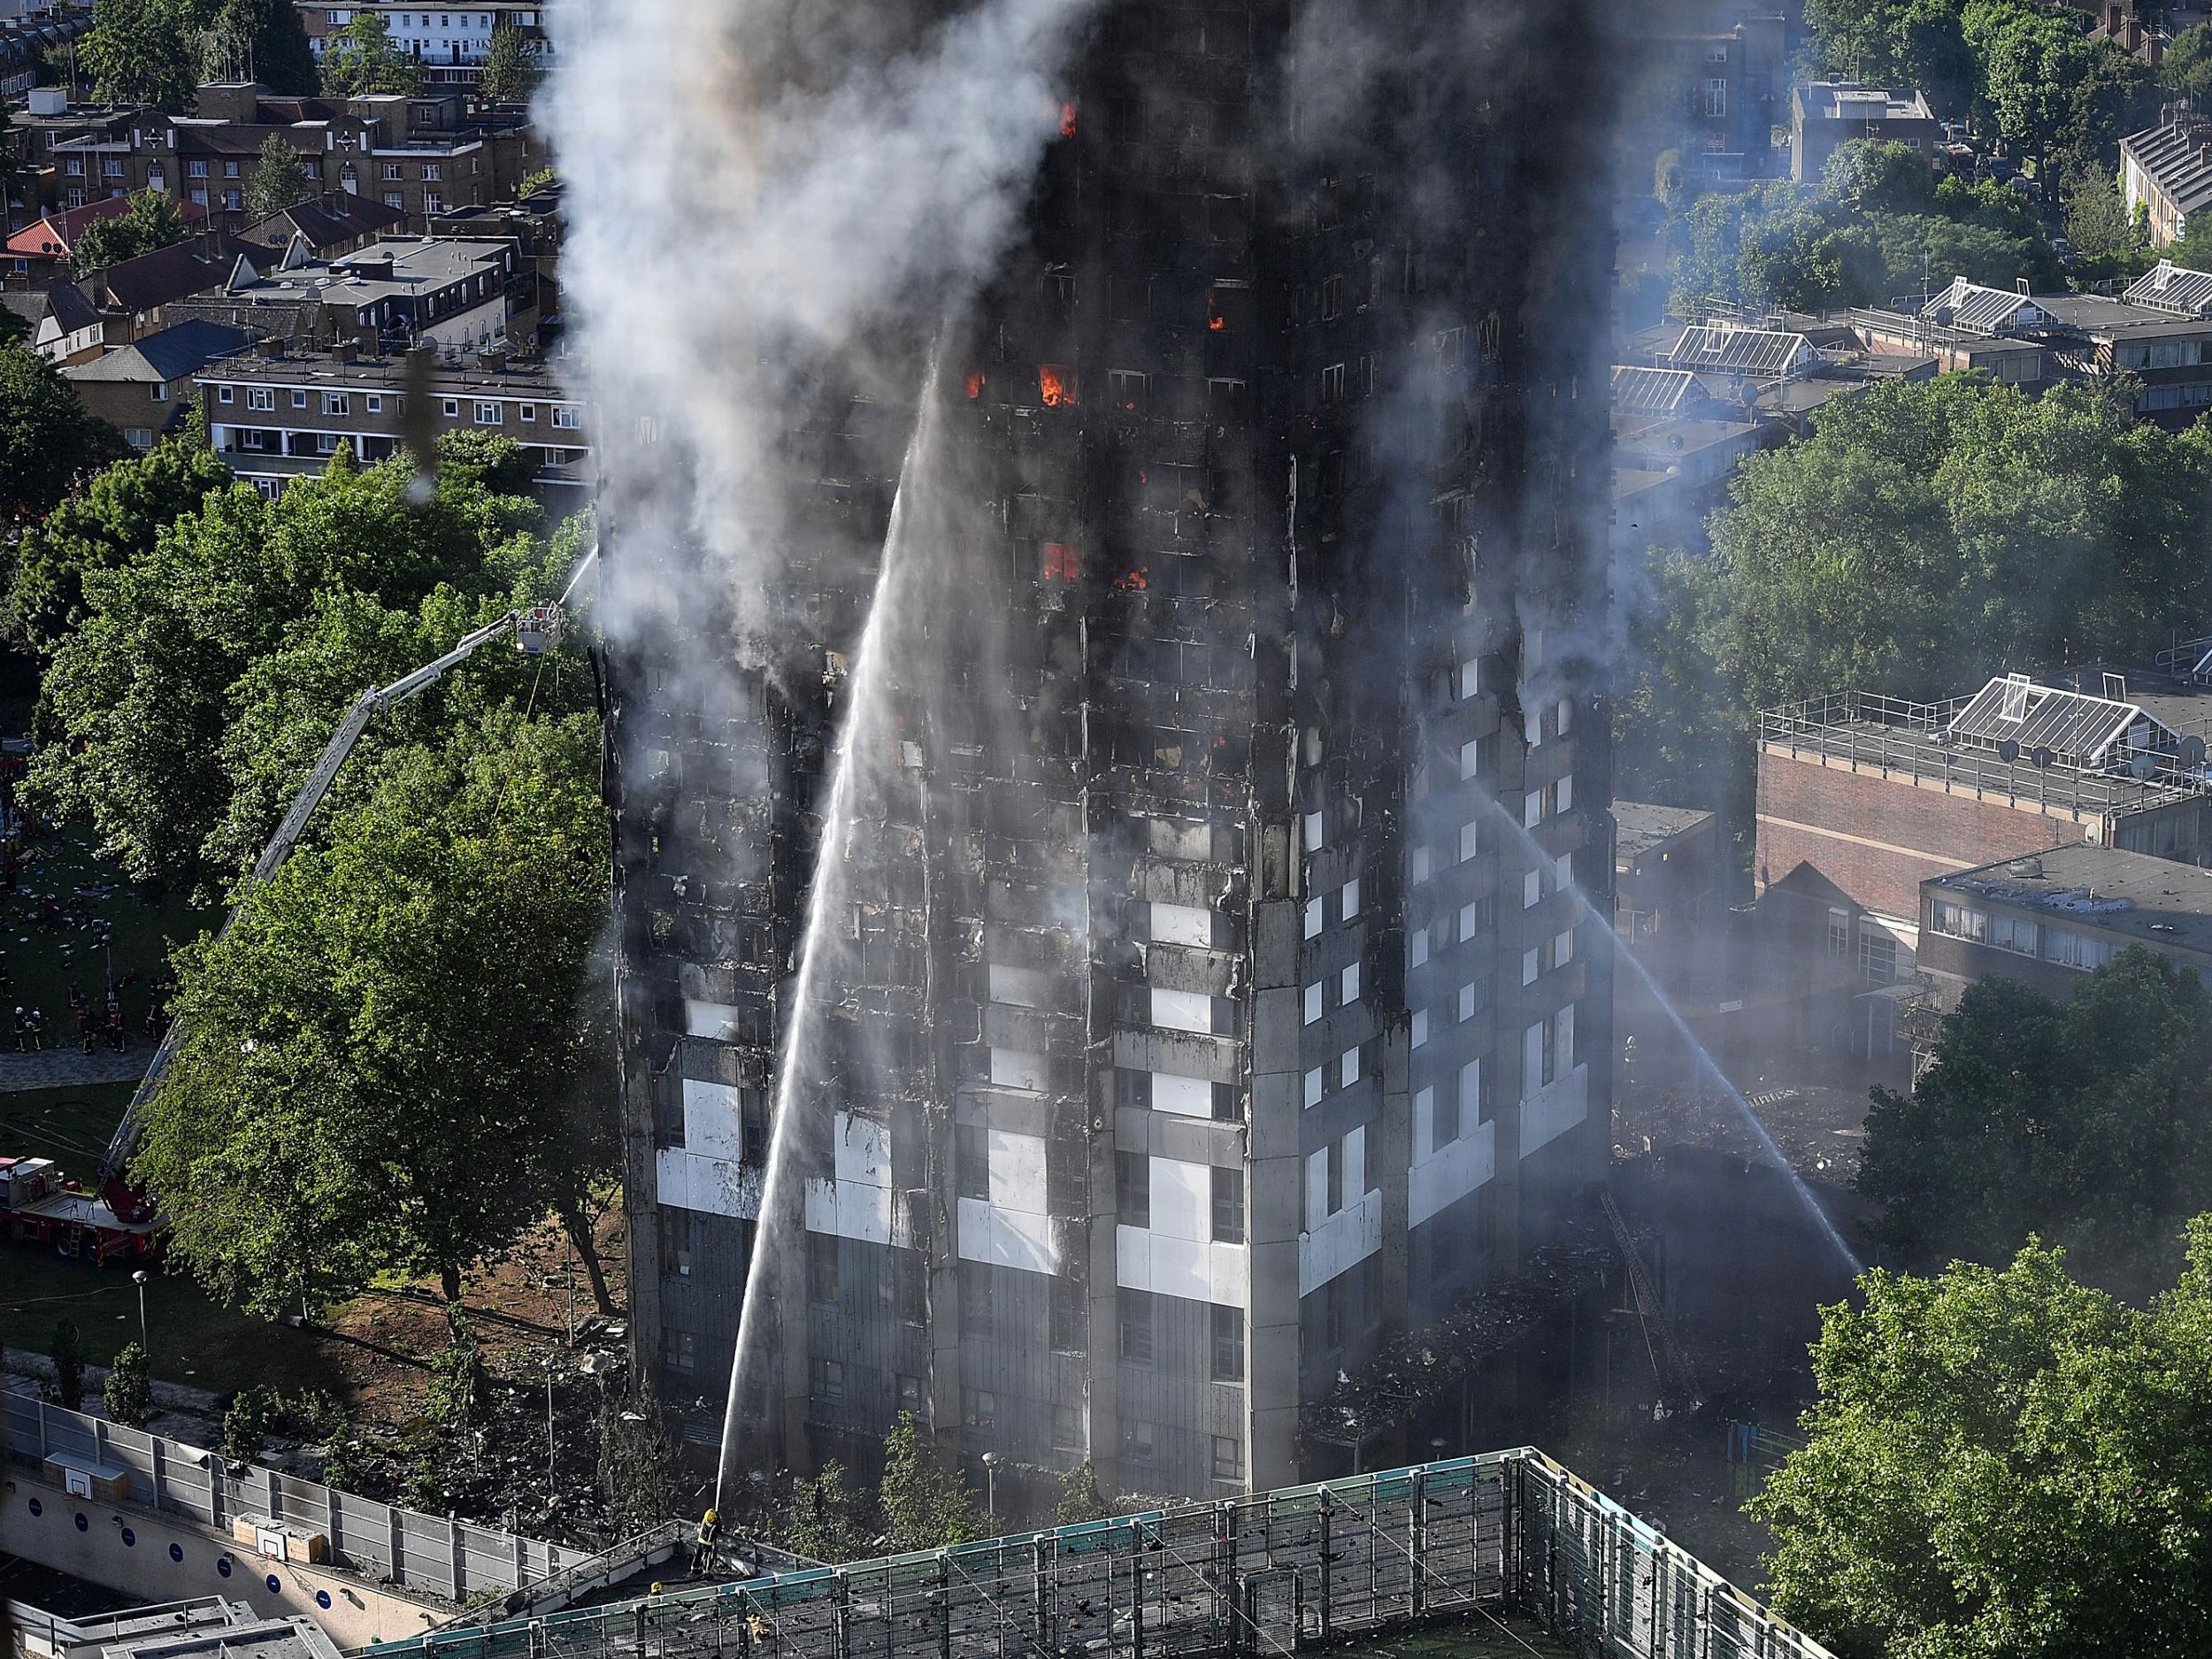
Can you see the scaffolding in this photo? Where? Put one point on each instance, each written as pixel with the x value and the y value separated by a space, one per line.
pixel 1488 1540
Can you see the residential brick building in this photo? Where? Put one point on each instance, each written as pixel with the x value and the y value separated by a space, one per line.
pixel 394 292
pixel 142 388
pixel 448 42
pixel 276 414
pixel 1826 115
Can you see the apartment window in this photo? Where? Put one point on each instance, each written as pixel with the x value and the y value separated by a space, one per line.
pixel 1420 1027
pixel 73 167
pixel 260 397
pixel 1136 1325
pixel 909 1390
pixel 1351 985
pixel 139 437
pixel 1132 1189
pixel 114 168
pixel 1313 1003
pixel 1958 920
pixel 337 404
pixel 196 170
pixel 1333 1187
pixel 821 1270
pixel 392 173
pixel 1228 1457
pixel 1228 1206
pixel 1531 964
pixel 975 1296
pixel 488 414
pixel 1132 390
pixel 1350 904
pixel 1417 947
pixel 2068 950
pixel 230 170
pixel 299 400
pixel 529 411
pixel 678 1350
pixel 375 403
pixel 1838 932
pixel 1228 1344
pixel 1717 98
pixel 225 394
pixel 159 392
pixel 973 1160
pixel 432 202
pixel 393 198
pixel 429 173
pixel 1348 1067
pixel 1332 385
pixel 829 1380
pixel 1137 1442
pixel 1533 809
pixel 2013 933
pixel 1331 299
pixel 1470 839
pixel 1067 1429
pixel 568 417
pixel 1313 1086
pixel 978 1409
pixel 452 409
pixel 1313 919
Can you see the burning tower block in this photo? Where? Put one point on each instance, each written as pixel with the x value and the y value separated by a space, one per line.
pixel 1210 994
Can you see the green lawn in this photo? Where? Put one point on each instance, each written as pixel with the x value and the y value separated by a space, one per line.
pixel 193 1341
pixel 143 924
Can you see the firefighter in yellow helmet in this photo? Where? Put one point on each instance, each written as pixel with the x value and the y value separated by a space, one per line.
pixel 703 1554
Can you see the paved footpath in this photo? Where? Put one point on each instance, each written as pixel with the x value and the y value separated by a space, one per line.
pixel 66 1067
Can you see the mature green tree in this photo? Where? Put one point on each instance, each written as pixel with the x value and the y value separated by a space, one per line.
pixel 118 517
pixel 2089 1122
pixel 140 696
pixel 129 1393
pixel 925 1506
pixel 511 69
pixel 149 222
pixel 262 41
pixel 2003 1463
pixel 363 1083
pixel 1925 525
pixel 362 60
pixel 145 51
pixel 2186 69
pixel 830 1518
pixel 48 442
pixel 277 181
pixel 1902 43
pixel 2097 220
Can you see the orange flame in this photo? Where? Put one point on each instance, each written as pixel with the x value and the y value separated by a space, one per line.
pixel 1056 386
pixel 1134 580
pixel 976 383
pixel 1062 563
pixel 1067 120
pixel 1216 319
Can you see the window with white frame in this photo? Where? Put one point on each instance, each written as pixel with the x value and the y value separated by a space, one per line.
pixel 488 414
pixel 225 394
pixel 567 416
pixel 337 404
pixel 1351 985
pixel 1531 889
pixel 1350 905
pixel 1313 919
pixel 1313 1086
pixel 1313 1003
pixel 260 397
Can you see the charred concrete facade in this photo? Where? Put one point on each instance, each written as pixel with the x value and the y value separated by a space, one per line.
pixel 1213 992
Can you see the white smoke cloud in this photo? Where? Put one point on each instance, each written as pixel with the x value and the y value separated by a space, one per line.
pixel 753 189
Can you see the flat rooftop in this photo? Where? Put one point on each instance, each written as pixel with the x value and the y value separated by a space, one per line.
pixel 2107 318
pixel 526 376
pixel 2162 902
pixel 1643 825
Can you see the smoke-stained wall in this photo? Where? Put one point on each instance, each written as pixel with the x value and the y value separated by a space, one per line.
pixel 1182 986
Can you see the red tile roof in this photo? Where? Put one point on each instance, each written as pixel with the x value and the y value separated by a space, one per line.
pixel 54 236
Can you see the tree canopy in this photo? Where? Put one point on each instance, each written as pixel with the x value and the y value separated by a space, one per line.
pixel 262 41
pixel 1924 530
pixel 277 181
pixel 145 51
pixel 47 440
pixel 145 703
pixel 151 220
pixel 1879 224
pixel 354 1092
pixel 361 59
pixel 511 70
pixel 2002 1462
pixel 2088 1121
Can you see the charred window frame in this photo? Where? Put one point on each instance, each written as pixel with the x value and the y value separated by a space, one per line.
pixel 975 1297
pixel 1070 1328
pixel 1136 1309
pixel 823 1284
pixel 675 1241
pixel 909 1287
pixel 1228 1206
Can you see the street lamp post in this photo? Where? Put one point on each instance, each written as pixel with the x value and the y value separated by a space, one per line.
pixel 990 1482
pixel 145 1346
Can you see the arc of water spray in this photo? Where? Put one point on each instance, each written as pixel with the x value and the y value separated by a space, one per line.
pixel 1702 1055
pixel 864 687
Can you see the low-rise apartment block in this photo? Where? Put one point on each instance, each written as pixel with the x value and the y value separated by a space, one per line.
pixel 394 294
pixel 276 415
pixel 450 42
pixel 1826 115
pixel 1861 799
pixel 2052 917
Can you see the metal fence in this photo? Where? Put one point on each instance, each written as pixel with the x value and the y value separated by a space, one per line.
pixel 1888 734
pixel 1507 1536
pixel 423 1554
